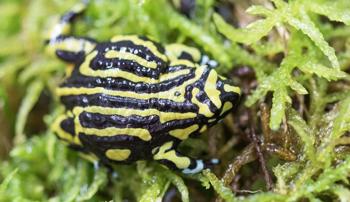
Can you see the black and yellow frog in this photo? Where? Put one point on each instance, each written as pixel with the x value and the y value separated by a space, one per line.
pixel 130 98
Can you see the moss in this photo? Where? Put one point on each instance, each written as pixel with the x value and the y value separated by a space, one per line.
pixel 292 57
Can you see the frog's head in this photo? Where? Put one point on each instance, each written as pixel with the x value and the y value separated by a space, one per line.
pixel 214 95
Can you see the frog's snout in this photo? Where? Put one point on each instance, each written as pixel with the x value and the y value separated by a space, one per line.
pixel 229 95
pixel 229 91
pixel 218 96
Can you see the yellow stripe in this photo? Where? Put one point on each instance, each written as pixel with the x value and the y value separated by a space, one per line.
pixel 174 50
pixel 181 162
pixel 90 91
pixel 183 134
pixel 86 70
pixel 56 127
pixel 141 133
pixel 182 62
pixel 172 75
pixel 129 56
pixel 71 45
pixel 65 91
pixel 211 120
pixel 69 70
pixel 227 106
pixel 137 41
pixel 118 154
pixel 163 116
pixel 204 128
pixel 211 90
pixel 229 88
pixel 203 108
pixel 110 131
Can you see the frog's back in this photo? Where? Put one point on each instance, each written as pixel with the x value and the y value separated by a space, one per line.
pixel 129 99
pixel 129 71
pixel 122 94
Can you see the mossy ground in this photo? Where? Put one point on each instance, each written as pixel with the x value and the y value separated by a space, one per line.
pixel 287 141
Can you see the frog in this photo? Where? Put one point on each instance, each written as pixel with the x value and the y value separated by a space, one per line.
pixel 130 98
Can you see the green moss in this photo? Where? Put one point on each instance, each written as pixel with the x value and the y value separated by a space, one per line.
pixel 299 51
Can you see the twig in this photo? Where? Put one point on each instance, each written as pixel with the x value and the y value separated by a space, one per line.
pixel 248 155
pixel 265 117
pixel 261 158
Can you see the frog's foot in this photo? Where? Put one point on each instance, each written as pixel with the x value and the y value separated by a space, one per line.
pixel 63 127
pixel 76 10
pixel 63 27
pixel 199 165
pixel 211 162
pixel 61 43
pixel 104 164
pixel 167 155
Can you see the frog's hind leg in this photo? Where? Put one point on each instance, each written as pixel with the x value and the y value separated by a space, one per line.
pixel 63 127
pixel 69 48
pixel 167 155
pixel 179 54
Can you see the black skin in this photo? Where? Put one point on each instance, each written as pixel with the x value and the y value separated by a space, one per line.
pixel 140 149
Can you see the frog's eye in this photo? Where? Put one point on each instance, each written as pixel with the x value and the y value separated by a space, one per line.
pixel 177 93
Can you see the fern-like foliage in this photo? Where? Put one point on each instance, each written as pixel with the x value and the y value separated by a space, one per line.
pixel 303 35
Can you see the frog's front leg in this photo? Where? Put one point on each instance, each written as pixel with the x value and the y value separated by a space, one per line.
pixel 167 155
pixel 69 48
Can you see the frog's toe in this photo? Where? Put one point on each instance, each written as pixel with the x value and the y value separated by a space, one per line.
pixel 196 167
pixel 199 165
pixel 167 155
pixel 212 162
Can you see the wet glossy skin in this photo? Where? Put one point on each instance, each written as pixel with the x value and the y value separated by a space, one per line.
pixel 131 99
